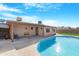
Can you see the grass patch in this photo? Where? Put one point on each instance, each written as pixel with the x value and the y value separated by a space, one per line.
pixel 69 34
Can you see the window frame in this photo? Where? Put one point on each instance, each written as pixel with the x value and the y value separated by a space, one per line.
pixel 47 30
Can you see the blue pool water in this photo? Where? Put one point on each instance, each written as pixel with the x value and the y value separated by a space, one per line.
pixel 59 46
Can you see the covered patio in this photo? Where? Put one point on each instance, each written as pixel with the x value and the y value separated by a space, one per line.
pixel 4 31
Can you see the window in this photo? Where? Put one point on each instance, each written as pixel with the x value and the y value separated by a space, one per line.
pixel 53 30
pixel 31 28
pixel 26 28
pixel 41 28
pixel 47 30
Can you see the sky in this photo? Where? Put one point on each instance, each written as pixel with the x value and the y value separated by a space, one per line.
pixel 53 14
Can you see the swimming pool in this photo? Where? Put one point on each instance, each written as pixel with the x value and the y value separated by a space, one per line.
pixel 59 46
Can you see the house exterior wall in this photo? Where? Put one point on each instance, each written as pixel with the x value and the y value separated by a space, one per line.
pixel 25 30
pixel 51 31
pixel 20 29
pixel 31 31
pixel 41 31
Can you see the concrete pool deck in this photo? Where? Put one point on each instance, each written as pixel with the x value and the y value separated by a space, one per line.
pixel 27 51
pixel 20 47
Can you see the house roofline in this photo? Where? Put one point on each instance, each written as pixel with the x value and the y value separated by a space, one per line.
pixel 20 22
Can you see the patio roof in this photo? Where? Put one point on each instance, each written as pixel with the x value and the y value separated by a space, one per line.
pixel 3 25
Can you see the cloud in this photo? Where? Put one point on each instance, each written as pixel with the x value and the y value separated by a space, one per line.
pixel 9 15
pixel 51 22
pixel 30 19
pixel 35 19
pixel 37 5
pixel 6 8
pixel 43 6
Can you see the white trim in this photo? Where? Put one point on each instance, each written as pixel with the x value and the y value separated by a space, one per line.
pixel 2 25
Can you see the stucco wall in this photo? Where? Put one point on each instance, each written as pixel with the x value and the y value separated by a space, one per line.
pixel 41 31
pixel 20 30
pixel 31 31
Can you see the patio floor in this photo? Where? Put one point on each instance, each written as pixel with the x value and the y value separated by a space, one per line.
pixel 23 46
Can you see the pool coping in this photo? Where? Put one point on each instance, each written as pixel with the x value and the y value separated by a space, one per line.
pixel 67 36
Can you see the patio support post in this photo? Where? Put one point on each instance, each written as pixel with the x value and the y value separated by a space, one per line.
pixel 11 33
pixel 43 31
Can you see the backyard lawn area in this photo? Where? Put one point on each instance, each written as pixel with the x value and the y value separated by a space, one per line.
pixel 64 33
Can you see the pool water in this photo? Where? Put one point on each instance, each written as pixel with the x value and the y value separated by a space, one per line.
pixel 59 46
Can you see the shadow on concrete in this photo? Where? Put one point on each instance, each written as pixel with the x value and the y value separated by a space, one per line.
pixel 26 41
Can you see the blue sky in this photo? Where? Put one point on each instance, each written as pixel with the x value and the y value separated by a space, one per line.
pixel 53 14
